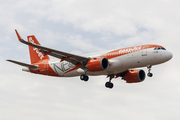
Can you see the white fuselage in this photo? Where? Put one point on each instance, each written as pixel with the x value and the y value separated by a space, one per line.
pixel 139 58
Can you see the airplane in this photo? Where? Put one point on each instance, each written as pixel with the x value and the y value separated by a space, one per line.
pixel 124 62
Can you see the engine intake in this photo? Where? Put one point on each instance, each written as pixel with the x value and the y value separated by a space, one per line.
pixel 134 76
pixel 97 64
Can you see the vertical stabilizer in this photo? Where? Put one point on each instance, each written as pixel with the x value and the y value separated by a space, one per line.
pixel 35 55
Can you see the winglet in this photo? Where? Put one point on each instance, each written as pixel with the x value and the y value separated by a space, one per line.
pixel 19 37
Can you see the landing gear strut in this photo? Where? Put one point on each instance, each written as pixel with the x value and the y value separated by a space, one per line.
pixel 149 71
pixel 84 77
pixel 110 84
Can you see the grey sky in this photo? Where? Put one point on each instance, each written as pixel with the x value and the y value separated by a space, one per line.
pixel 84 26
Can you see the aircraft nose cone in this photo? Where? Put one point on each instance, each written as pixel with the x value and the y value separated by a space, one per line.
pixel 169 55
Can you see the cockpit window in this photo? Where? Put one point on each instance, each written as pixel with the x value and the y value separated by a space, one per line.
pixel 159 48
pixel 163 48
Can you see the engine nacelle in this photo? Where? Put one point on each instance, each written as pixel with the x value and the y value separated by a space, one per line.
pixel 134 76
pixel 97 64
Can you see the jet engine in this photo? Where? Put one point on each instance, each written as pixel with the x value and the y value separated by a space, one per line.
pixel 97 64
pixel 134 76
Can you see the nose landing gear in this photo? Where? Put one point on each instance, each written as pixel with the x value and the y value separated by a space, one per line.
pixel 110 84
pixel 149 71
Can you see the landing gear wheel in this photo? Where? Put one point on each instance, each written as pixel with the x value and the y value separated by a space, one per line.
pixel 84 77
pixel 150 74
pixel 149 71
pixel 109 85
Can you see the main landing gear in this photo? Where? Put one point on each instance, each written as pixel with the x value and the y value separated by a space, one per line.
pixel 110 84
pixel 149 69
pixel 84 77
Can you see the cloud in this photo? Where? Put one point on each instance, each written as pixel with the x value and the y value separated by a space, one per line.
pixel 79 27
pixel 85 45
pixel 117 16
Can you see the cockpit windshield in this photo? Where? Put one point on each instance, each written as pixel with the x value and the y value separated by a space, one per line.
pixel 159 48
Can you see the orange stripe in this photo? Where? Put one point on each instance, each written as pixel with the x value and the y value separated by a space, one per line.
pixel 124 51
pixel 47 53
pixel 65 58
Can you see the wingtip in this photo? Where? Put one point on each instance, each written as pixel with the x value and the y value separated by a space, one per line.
pixel 19 37
pixel 9 60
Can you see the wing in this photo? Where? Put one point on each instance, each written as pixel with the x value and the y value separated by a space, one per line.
pixel 23 64
pixel 74 59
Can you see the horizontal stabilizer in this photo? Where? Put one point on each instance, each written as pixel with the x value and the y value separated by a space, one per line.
pixel 24 64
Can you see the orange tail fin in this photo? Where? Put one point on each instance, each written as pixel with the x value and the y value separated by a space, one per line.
pixel 35 54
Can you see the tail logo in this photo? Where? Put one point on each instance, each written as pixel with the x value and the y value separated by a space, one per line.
pixel 41 56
